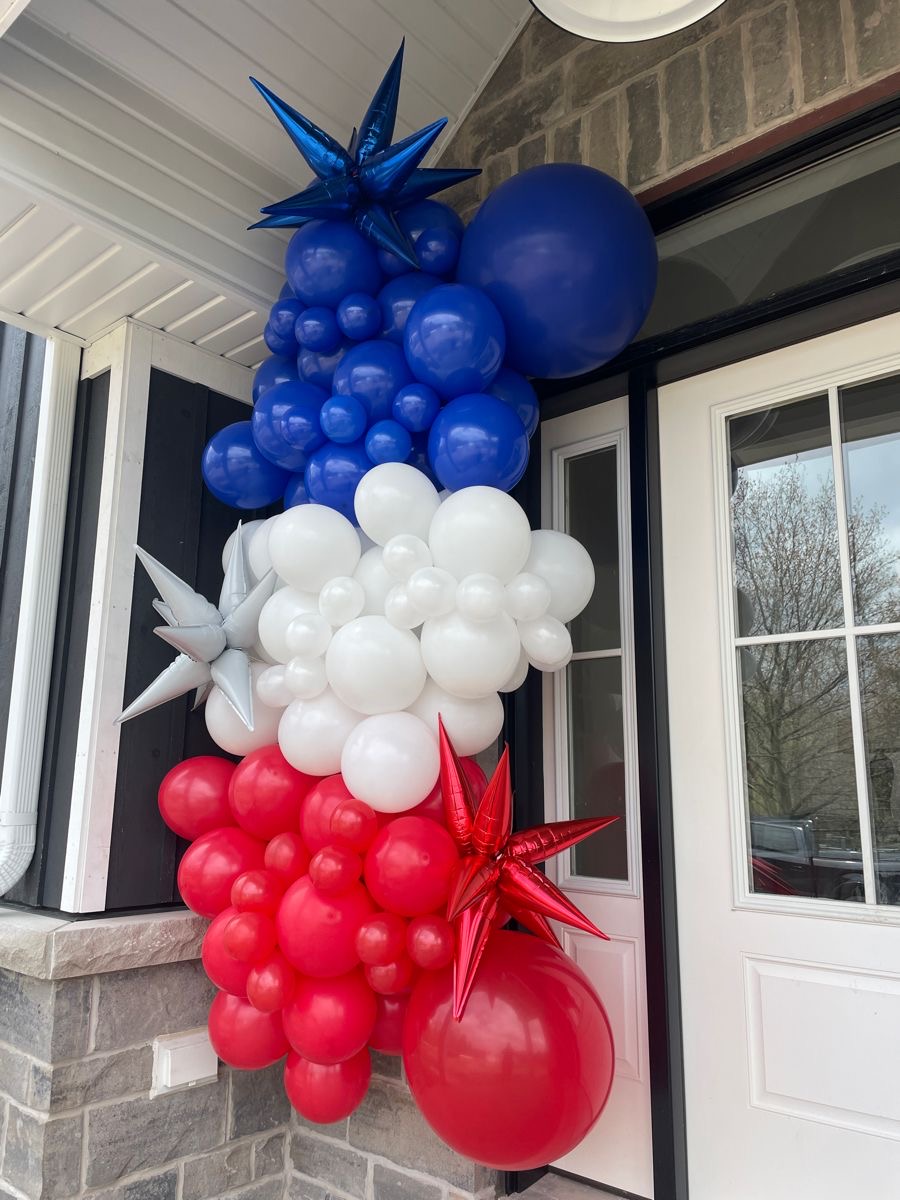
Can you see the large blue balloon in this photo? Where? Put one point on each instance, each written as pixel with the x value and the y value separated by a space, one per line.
pixel 567 255
pixel 271 371
pixel 515 390
pixel 285 424
pixel 373 373
pixel 397 298
pixel 454 340
pixel 235 471
pixel 478 440
pixel 333 474
pixel 326 260
pixel 317 368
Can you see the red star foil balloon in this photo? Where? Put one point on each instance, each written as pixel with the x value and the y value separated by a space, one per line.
pixel 496 877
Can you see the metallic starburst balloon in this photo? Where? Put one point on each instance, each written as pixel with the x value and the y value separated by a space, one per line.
pixel 367 182
pixel 214 641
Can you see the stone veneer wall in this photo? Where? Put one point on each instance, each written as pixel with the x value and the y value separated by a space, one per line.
pixel 647 111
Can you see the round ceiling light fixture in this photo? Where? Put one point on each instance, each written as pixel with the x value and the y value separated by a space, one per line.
pixel 624 20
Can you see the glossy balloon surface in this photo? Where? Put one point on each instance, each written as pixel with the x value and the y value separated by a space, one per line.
pixel 455 340
pixel 317 933
pixel 242 1036
pixel 210 866
pixel 266 792
pixel 224 970
pixel 193 796
pixel 237 473
pixel 330 1020
pixel 325 1094
pixel 478 440
pixel 326 260
pixel 409 866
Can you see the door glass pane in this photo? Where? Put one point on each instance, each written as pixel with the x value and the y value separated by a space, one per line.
pixel 597 764
pixel 592 517
pixel 799 770
pixel 870 431
pixel 784 523
pixel 879 678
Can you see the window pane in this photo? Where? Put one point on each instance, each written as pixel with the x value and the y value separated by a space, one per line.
pixel 879 677
pixel 597 764
pixel 799 770
pixel 592 516
pixel 870 430
pixel 784 524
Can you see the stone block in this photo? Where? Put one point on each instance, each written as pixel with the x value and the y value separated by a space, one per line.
pixel 138 1135
pixel 71 1018
pixel 397 1185
pixel 567 141
pixel 876 28
pixel 137 1006
pixel 152 1187
pixel 301 1188
pixel 258 1101
pixel 389 1066
pixel 208 1177
pixel 545 43
pixel 509 73
pixel 42 1158
pixel 604 139
pixel 822 60
pixel 463 196
pixel 770 66
pixel 498 169
pixel 644 134
pixel 532 153
pixel 330 1163
pixel 26 1013
pixel 536 105
pixel 15 1075
pixel 101 1077
pixel 727 105
pixel 336 1131
pixel 683 93
pixel 266 1189
pixel 268 1156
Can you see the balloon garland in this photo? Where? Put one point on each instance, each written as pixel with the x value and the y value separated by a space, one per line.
pixel 357 867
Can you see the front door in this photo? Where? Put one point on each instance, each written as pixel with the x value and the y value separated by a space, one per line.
pixel 590 769
pixel 781 547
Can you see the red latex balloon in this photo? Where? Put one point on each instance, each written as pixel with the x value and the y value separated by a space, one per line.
pixel 225 972
pixel 250 937
pixel 525 1073
pixel 330 1020
pixel 381 939
pixel 325 1094
pixel 334 869
pixel 270 984
pixel 266 792
pixel 317 809
pixel 211 865
pixel 287 857
pixel 387 1035
pixel 257 891
pixel 354 825
pixel 243 1037
pixel 388 979
pixel 430 942
pixel 410 865
pixel 317 933
pixel 433 804
pixel 193 797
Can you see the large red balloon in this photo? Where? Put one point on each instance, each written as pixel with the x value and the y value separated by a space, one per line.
pixel 317 810
pixel 212 864
pixel 387 1036
pixel 325 1094
pixel 330 1020
pixel 270 984
pixel 225 972
pixel 193 797
pixel 242 1036
pixel 523 1076
pixel 410 865
pixel 266 792
pixel 317 933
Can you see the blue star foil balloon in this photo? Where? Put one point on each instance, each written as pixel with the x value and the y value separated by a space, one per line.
pixel 367 182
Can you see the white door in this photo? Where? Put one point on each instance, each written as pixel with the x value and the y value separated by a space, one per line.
pixel 590 769
pixel 781 539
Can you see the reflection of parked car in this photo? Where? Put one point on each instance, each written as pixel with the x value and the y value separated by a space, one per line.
pixel 791 855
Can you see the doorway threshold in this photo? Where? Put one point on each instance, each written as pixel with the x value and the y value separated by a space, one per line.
pixel 562 1187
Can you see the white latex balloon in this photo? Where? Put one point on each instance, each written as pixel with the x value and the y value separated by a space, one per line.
pixel 480 597
pixel 518 676
pixel 227 729
pixel 547 643
pixel 527 597
pixel 468 658
pixel 472 725
pixel 258 554
pixel 480 530
pixel 308 635
pixel 310 544
pixel 305 677
pixel 375 667
pixel 391 761
pixel 395 498
pixel 272 688
pixel 404 554
pixel 248 529
pixel 400 610
pixel 341 599
pixel 276 615
pixel 432 591
pixel 312 733
pixel 376 581
pixel 566 566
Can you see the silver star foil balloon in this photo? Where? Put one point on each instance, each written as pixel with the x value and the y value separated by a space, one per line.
pixel 214 642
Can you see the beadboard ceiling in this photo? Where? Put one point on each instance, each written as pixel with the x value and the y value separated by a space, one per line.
pixel 134 152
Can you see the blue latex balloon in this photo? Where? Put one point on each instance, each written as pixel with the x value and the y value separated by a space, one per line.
pixel 373 373
pixel 333 474
pixel 414 220
pixel 317 329
pixel 271 371
pixel 343 419
pixel 397 298
pixel 285 424
pixel 418 458
pixel 235 471
pixel 326 260
pixel 416 406
pixel 477 439
pixel 295 493
pixel 359 316
pixel 568 257
pixel 454 340
pixel 283 316
pixel 515 390
pixel 285 347
pixel 387 441
pixel 438 250
pixel 319 368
